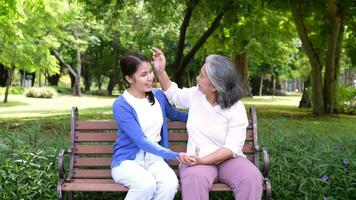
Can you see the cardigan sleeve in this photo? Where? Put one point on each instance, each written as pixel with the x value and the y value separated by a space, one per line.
pixel 127 123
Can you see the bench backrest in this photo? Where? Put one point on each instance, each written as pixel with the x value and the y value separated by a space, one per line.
pixel 92 144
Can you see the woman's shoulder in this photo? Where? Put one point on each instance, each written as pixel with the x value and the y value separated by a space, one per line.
pixel 120 101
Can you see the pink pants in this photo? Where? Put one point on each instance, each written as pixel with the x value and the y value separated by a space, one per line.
pixel 239 173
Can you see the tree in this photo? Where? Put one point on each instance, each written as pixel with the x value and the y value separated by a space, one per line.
pixel 78 36
pixel 27 45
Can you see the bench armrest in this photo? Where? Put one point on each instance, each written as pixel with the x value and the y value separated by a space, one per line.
pixel 265 170
pixel 60 164
pixel 62 174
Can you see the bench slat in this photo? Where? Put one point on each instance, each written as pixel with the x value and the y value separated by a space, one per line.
pixel 95 125
pixel 91 173
pixel 107 149
pixel 87 186
pixel 95 137
pixel 111 125
pixel 92 162
pixel 111 137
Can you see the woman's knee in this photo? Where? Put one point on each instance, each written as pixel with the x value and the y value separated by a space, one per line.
pixel 147 185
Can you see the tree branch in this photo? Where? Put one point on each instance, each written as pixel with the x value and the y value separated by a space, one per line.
pixel 183 31
pixel 59 56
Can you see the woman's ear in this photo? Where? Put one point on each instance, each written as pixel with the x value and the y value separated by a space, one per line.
pixel 128 79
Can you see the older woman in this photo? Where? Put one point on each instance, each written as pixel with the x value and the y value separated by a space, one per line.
pixel 216 126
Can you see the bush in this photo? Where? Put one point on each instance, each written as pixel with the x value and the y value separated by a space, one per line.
pixel 63 90
pixel 347 99
pixel 40 92
pixel 13 90
pixel 26 172
pixel 310 166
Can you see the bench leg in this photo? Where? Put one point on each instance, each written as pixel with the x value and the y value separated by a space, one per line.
pixel 59 191
pixel 268 192
pixel 70 195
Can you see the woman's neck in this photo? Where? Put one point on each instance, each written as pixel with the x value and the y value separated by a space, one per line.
pixel 136 93
pixel 212 99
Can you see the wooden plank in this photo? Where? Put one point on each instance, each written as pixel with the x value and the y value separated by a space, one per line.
pixel 95 125
pixel 178 147
pixel 178 137
pixel 92 162
pixel 91 173
pixel 115 187
pixel 111 137
pixel 95 137
pixel 108 149
pixel 93 149
pixel 176 125
pixel 247 148
pixel 93 187
pixel 249 135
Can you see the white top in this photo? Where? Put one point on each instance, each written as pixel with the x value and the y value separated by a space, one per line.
pixel 149 116
pixel 210 127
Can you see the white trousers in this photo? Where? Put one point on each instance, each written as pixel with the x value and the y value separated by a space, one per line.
pixel 147 177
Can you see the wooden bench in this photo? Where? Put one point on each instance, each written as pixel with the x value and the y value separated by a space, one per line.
pixel 90 153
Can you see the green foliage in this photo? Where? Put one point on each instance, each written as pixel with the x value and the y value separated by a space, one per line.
pixel 347 99
pixel 13 90
pixel 43 92
pixel 300 158
pixel 63 90
pixel 26 172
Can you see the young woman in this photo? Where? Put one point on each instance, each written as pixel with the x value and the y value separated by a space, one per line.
pixel 142 143
pixel 217 129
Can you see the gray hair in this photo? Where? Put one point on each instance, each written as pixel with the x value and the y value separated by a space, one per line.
pixel 222 74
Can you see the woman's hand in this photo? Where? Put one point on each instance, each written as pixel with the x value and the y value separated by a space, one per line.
pixel 159 60
pixel 186 159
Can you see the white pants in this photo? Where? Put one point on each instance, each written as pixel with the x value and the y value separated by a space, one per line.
pixel 147 177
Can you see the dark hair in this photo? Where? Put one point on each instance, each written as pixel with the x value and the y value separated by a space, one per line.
pixel 129 63
pixel 222 74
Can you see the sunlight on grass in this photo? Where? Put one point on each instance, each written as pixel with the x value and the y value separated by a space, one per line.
pixel 58 105
pixel 11 104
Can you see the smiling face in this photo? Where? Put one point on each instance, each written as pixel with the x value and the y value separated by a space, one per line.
pixel 141 81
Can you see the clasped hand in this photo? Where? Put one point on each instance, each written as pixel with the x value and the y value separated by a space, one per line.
pixel 189 160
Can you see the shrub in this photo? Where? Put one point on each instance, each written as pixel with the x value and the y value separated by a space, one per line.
pixel 310 166
pixel 40 92
pixel 347 99
pixel 63 90
pixel 13 90
pixel 26 172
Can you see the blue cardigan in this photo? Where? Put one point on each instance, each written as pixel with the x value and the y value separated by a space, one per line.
pixel 130 136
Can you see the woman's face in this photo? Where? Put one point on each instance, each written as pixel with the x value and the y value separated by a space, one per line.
pixel 141 81
pixel 204 84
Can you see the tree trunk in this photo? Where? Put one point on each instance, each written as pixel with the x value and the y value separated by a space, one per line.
pixel 330 77
pixel 87 75
pixel 181 61
pixel 3 75
pixel 114 79
pixel 242 69
pixel 77 75
pixel 8 83
pixel 182 33
pixel 186 59
pixel 261 86
pixel 305 101
pixel 53 80
pixel 317 96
